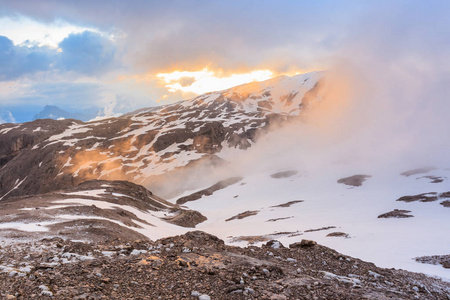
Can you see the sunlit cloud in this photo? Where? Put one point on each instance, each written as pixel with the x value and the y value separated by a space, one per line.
pixel 206 80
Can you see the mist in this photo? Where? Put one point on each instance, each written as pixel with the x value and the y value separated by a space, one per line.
pixel 384 106
pixel 367 118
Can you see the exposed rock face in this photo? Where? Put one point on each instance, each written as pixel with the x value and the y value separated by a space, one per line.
pixel 288 204
pixel 425 197
pixel 303 244
pixel 187 218
pixel 320 229
pixel 428 197
pixel 443 260
pixel 445 195
pixel 445 203
pixel 243 215
pixel 434 179
pixel 198 265
pixel 355 180
pixel 279 219
pixel 396 213
pixel 338 234
pixel 141 147
pixel 22 170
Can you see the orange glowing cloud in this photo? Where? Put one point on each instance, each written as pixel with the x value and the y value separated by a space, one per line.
pixel 174 85
pixel 204 81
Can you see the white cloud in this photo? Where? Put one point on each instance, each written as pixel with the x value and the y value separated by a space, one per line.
pixel 25 30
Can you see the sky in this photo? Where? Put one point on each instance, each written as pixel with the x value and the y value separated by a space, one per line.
pixel 124 55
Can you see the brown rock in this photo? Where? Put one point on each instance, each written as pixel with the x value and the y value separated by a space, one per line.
pixel 338 234
pixel 424 197
pixel 303 244
pixel 243 215
pixel 396 213
pixel 355 180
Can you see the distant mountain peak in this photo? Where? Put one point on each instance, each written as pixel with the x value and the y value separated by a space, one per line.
pixel 55 113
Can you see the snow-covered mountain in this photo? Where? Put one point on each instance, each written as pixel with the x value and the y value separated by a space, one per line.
pixel 238 157
pixel 151 144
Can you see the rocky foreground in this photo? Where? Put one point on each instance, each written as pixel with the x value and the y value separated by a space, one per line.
pixel 199 266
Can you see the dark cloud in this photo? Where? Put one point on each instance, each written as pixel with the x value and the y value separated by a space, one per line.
pixel 223 34
pixel 400 48
pixel 242 35
pixel 16 61
pixel 88 53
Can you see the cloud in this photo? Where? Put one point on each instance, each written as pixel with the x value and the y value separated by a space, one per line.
pixel 25 98
pixel 87 53
pixel 204 81
pixel 237 35
pixel 16 61
pixel 386 108
pixel 388 38
pixel 231 35
pixel 68 95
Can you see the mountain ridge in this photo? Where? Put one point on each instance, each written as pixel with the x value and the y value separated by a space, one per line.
pixel 200 127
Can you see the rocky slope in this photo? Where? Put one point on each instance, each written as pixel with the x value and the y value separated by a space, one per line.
pixel 150 145
pixel 199 266
pixel 93 211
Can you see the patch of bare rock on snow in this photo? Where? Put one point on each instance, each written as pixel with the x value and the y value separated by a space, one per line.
pixel 199 265
pixel 338 234
pixel 396 213
pixel 284 174
pixel 355 180
pixel 243 215
pixel 443 260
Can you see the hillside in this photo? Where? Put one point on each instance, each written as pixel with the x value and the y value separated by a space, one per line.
pixel 245 164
